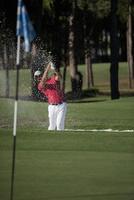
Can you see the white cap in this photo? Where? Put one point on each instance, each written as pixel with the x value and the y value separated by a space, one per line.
pixel 37 73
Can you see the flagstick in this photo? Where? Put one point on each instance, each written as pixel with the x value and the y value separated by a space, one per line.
pixel 15 117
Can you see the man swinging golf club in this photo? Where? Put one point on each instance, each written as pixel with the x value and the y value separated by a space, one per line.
pixel 49 85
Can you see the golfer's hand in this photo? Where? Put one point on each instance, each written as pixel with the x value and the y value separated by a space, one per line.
pixel 48 66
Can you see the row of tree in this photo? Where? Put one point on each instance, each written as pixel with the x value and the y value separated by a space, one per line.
pixel 78 31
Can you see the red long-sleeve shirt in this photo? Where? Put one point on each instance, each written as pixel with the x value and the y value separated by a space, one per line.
pixel 51 89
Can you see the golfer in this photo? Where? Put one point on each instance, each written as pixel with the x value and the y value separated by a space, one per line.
pixel 49 85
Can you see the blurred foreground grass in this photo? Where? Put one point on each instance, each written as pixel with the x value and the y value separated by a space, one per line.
pixel 67 165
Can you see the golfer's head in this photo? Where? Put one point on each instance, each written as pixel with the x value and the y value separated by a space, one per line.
pixel 37 75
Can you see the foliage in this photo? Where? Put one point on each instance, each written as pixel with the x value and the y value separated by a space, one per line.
pixel 47 4
pixel 100 8
pixel 123 10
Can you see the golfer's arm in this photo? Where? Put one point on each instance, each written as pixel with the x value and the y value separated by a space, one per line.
pixel 45 75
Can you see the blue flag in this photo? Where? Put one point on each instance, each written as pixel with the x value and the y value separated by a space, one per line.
pixel 24 27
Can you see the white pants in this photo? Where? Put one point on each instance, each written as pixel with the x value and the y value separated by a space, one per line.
pixel 56 114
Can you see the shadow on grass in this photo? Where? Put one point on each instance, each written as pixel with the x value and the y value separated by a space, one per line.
pixel 86 100
pixel 119 195
pixel 80 100
pixel 84 96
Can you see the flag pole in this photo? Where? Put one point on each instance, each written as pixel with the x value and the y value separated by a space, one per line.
pixel 25 29
pixel 15 118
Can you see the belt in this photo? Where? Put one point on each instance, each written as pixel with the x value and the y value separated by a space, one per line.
pixel 56 104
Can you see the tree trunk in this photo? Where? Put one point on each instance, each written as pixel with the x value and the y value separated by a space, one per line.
pixel 64 77
pixel 89 71
pixel 129 48
pixel 114 68
pixel 2 57
pixel 7 70
pixel 76 77
pixel 72 57
pixel 13 53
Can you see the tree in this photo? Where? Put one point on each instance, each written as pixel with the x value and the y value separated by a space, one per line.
pixel 96 11
pixel 129 46
pixel 114 52
pixel 76 76
pixel 87 49
pixel 125 13
pixel 35 10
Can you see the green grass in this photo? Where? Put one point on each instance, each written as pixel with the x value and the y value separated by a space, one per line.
pixel 100 72
pixel 96 112
pixel 69 165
